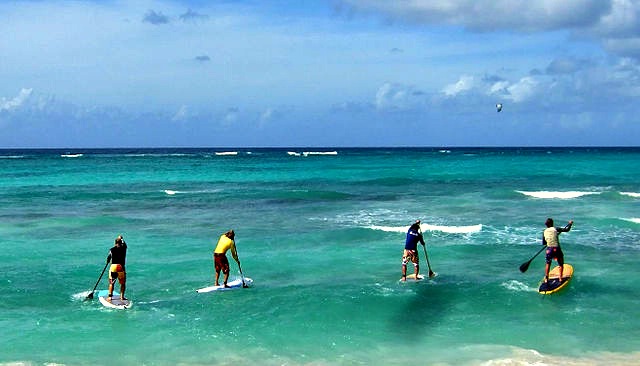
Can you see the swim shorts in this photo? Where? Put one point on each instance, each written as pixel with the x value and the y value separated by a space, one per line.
pixel 116 271
pixel 221 262
pixel 555 253
pixel 410 256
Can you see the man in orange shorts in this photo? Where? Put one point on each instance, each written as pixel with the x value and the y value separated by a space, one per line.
pixel 410 253
pixel 117 256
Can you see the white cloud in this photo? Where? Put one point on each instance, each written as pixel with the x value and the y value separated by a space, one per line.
pixel 499 87
pixel 613 23
pixel 397 96
pixel 16 102
pixel 469 86
pixel 524 89
pixel 465 83
pixel 520 15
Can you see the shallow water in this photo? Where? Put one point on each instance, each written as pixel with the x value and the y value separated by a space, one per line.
pixel 321 235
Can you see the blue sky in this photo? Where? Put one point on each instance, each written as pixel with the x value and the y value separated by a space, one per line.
pixel 319 73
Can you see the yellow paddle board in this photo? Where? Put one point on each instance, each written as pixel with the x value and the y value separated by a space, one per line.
pixel 553 284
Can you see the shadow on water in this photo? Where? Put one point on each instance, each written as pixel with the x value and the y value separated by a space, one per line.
pixel 423 312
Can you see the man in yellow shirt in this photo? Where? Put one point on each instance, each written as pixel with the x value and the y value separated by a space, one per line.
pixel 220 261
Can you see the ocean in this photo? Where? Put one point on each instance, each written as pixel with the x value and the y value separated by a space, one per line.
pixel 321 233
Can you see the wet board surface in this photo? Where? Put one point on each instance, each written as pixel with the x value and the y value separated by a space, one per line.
pixel 553 284
pixel 116 301
pixel 233 285
pixel 413 277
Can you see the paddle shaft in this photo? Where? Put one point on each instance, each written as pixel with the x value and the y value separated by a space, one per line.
pixel 525 266
pixel 424 246
pixel 427 257
pixel 90 296
pixel 240 268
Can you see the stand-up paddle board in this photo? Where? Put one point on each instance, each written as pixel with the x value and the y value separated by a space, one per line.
pixel 233 285
pixel 413 277
pixel 553 284
pixel 116 301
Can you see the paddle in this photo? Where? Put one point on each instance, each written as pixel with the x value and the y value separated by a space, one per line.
pixel 244 285
pixel 90 296
pixel 424 246
pixel 525 266
pixel 431 274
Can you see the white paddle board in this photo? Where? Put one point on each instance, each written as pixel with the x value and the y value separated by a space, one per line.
pixel 233 285
pixel 116 301
pixel 413 277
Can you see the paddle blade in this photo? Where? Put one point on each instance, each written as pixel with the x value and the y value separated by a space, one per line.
pixel 90 296
pixel 431 273
pixel 524 266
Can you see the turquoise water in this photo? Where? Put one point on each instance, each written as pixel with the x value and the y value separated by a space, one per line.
pixel 321 235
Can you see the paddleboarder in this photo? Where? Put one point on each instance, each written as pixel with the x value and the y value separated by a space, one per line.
pixel 551 241
pixel 117 256
pixel 220 261
pixel 410 253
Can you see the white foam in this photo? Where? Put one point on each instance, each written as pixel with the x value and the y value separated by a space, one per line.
pixel 631 194
pixel 452 229
pixel 226 153
pixel 427 227
pixel 172 192
pixel 556 195
pixel 71 155
pixel 632 219
pixel 530 357
pixel 307 153
pixel 517 286
pixel 80 295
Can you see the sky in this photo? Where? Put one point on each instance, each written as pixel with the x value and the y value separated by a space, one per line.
pixel 323 73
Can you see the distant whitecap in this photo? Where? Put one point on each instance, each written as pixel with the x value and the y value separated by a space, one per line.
pixel 556 195
pixel 427 227
pixel 307 153
pixel 452 229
